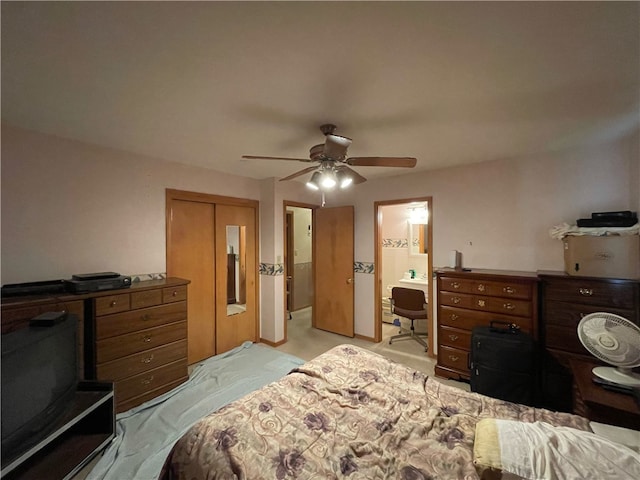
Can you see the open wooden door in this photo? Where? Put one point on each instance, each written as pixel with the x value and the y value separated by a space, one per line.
pixel 333 270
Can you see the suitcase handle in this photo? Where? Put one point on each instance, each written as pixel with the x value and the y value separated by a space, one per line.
pixel 505 327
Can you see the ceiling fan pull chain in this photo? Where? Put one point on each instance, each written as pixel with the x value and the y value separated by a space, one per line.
pixel 323 199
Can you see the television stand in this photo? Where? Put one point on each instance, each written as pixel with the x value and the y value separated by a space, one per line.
pixel 85 429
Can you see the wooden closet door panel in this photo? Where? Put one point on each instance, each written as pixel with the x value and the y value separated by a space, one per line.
pixel 191 255
pixel 232 330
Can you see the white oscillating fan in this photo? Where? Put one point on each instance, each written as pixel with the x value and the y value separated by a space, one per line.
pixel 615 340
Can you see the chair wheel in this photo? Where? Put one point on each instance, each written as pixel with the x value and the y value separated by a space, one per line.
pixel 389 342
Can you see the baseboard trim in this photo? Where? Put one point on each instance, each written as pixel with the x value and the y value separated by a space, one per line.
pixel 273 344
pixel 362 337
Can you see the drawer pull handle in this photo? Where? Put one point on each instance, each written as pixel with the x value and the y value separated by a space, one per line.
pixel 146 316
pixel 148 359
pixel 455 299
pixel 481 287
pixel 509 290
pixel 453 358
pixel 455 285
pixel 587 292
pixel 147 381
pixel 175 293
pixel 454 317
pixel 113 303
pixel 146 338
pixel 509 306
pixel 482 303
pixel 453 337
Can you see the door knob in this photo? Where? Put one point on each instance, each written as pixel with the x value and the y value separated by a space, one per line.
pixel 349 281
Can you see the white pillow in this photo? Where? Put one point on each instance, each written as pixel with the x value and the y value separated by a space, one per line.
pixel 540 451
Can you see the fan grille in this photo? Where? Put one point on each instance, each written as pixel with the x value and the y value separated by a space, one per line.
pixel 611 338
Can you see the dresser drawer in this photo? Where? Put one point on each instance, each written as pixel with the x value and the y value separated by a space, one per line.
pixel 569 314
pixel 112 304
pixel 505 306
pixel 454 337
pixel 124 405
pixel 113 348
pixel 118 324
pixel 143 361
pixel 467 319
pixel 147 298
pixel 592 292
pixel 461 300
pixel 564 338
pixel 174 294
pixel 452 284
pixel 453 358
pixel 150 380
pixel 507 289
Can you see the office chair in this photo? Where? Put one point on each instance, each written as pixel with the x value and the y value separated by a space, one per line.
pixel 412 304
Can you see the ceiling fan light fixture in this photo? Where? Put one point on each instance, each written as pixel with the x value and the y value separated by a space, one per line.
pixel 314 181
pixel 340 140
pixel 344 179
pixel 328 180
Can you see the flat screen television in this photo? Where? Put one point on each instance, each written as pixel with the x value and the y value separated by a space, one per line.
pixel 39 380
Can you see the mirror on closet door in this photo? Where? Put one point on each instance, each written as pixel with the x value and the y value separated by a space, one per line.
pixel 236 285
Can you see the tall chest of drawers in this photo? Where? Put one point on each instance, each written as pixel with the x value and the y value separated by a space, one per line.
pixel 565 300
pixel 137 338
pixel 472 298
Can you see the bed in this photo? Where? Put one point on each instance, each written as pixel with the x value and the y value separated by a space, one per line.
pixel 351 413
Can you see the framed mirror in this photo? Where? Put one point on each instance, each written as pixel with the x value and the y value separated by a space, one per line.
pixel 417 239
pixel 236 261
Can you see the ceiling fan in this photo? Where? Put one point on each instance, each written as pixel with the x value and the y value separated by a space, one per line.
pixel 334 165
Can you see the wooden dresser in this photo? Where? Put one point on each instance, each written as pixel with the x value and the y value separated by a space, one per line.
pixel 137 338
pixel 476 297
pixel 565 300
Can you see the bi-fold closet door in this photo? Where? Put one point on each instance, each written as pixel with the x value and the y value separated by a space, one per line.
pixel 212 241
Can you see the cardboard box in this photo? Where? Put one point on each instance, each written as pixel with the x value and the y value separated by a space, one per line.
pixel 615 256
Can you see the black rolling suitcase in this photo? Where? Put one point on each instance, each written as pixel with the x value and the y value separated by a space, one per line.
pixel 503 363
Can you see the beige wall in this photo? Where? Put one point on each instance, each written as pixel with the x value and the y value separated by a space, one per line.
pixel 498 214
pixel 69 207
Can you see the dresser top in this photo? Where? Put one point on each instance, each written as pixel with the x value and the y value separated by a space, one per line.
pixel 479 272
pixel 67 297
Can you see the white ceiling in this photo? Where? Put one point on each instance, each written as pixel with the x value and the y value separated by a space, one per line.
pixel 204 83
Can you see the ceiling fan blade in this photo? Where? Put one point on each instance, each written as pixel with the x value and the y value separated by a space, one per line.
pixel 254 157
pixel 357 178
pixel 297 174
pixel 407 162
pixel 335 146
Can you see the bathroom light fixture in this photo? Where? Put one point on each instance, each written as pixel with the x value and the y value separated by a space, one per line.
pixel 418 215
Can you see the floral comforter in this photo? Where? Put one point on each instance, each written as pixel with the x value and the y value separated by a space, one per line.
pixel 349 413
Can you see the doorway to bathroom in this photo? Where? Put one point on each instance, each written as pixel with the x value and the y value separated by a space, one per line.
pixel 403 258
